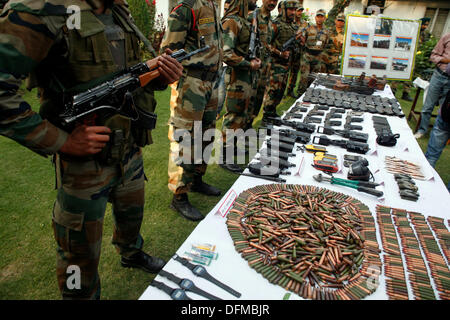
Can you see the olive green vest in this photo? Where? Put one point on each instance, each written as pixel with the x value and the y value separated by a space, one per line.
pixel 285 31
pixel 88 62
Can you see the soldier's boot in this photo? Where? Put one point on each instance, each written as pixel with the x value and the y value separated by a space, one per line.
pixel 204 188
pixel 181 204
pixel 143 261
pixel 227 164
pixel 405 96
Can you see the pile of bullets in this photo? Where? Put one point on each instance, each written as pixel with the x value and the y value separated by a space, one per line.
pixel 438 226
pixel 395 165
pixel 438 267
pixel 396 287
pixel 418 273
pixel 312 241
pixel 414 237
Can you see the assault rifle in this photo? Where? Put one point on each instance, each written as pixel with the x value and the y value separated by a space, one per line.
pixel 116 95
pixel 289 44
pixel 255 43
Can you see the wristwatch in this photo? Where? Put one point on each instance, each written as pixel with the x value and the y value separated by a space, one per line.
pixel 201 272
pixel 187 285
pixel 175 294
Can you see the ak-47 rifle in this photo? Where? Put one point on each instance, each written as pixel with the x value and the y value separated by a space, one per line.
pixel 116 96
pixel 255 43
pixel 289 44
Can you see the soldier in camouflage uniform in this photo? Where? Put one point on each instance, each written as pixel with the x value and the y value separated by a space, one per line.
pixel 194 98
pixel 36 41
pixel 334 46
pixel 241 88
pixel 302 24
pixel 284 28
pixel 314 39
pixel 263 75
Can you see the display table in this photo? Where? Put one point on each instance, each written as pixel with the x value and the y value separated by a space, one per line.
pixel 231 269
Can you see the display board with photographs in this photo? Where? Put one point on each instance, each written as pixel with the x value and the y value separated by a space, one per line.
pixel 379 46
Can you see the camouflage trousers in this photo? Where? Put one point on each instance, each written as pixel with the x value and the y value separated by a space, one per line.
pixel 78 214
pixel 274 93
pixel 309 64
pixel 333 65
pixel 239 97
pixel 193 105
pixel 262 81
pixel 295 69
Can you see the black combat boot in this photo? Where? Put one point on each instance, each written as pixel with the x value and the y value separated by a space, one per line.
pixel 227 164
pixel 405 96
pixel 143 261
pixel 181 204
pixel 204 188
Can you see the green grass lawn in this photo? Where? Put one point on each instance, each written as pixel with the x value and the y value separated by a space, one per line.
pixel 28 257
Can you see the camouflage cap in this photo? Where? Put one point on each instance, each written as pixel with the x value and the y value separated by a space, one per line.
pixel 321 12
pixel 341 17
pixel 291 4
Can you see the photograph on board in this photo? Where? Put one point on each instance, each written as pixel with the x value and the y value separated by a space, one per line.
pixel 359 40
pixel 383 26
pixel 357 61
pixel 378 63
pixel 399 64
pixel 403 43
pixel 381 41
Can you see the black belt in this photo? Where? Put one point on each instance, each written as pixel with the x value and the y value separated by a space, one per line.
pixel 204 75
pixel 175 294
pixel 445 74
pixel 187 285
pixel 201 272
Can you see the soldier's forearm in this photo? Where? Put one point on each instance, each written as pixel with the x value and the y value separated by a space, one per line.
pixel 21 124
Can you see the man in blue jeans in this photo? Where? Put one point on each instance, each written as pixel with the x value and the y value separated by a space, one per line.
pixel 439 83
pixel 440 133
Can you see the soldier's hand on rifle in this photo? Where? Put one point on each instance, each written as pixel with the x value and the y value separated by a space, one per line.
pixel 255 64
pixel 300 37
pixel 86 140
pixel 285 54
pixel 169 68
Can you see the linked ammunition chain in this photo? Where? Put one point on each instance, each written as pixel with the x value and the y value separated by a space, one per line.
pixel 409 244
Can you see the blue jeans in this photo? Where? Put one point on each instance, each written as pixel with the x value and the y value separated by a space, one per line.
pixel 438 88
pixel 438 139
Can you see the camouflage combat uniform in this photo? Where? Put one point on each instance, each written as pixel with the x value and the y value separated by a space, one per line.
pixel 296 60
pixel 314 57
pixel 265 27
pixel 38 43
pixel 334 49
pixel 195 96
pixel 241 87
pixel 279 70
